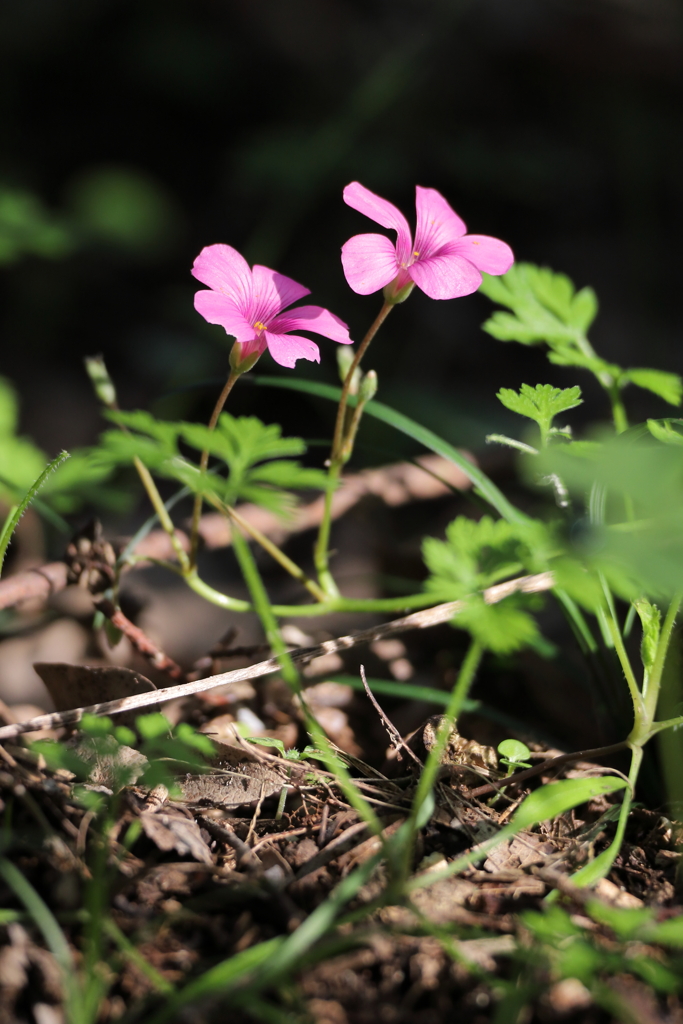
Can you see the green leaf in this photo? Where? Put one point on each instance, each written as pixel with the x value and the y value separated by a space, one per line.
pixel 17 511
pixel 668 933
pixel 665 430
pixel 514 750
pixel 269 741
pixel 625 922
pixel 576 579
pixel 540 404
pixel 640 553
pixel 153 726
pixel 668 386
pixel 58 756
pixel 94 725
pixel 474 555
pixel 545 307
pixel 502 628
pixel 557 798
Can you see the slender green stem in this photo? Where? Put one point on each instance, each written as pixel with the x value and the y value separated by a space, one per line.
pixel 322 544
pixel 484 487
pixel 610 385
pixel 276 553
pixel 321 551
pixel 162 512
pixel 341 604
pixel 670 723
pixel 17 511
pixel 618 409
pixel 204 462
pixel 600 867
pixel 362 349
pixel 230 604
pixel 636 696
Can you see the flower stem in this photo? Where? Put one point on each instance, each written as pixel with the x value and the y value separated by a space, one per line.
pixel 321 550
pixel 275 552
pixel 362 349
pixel 204 462
pixel 162 512
pixel 337 453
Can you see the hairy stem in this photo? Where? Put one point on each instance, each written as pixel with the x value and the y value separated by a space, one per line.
pixel 277 554
pixel 162 512
pixel 362 349
pixel 321 551
pixel 204 462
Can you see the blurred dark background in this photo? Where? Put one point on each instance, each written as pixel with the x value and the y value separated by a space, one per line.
pixel 134 133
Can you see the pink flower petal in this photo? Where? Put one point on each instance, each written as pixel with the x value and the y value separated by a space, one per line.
pixel 222 268
pixel 287 348
pixel 437 223
pixel 445 277
pixel 273 292
pixel 312 318
pixel 219 309
pixel 382 212
pixel 489 254
pixel 369 263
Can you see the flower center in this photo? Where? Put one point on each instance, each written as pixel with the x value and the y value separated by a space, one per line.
pixel 258 326
pixel 416 254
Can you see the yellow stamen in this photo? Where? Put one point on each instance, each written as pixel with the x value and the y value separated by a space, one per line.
pixel 416 254
pixel 258 326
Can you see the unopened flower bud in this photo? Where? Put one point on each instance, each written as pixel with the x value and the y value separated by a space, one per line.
pixel 241 364
pixel 393 296
pixel 101 381
pixel 368 388
pixel 345 357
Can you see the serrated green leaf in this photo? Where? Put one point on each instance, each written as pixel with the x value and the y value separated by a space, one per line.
pixel 473 556
pixel 668 386
pixel 583 309
pixel 544 306
pixel 541 403
pixel 574 357
pixel 501 628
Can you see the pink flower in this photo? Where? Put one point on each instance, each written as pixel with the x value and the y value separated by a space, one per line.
pixel 443 261
pixel 249 304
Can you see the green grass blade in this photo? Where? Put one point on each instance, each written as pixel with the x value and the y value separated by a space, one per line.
pixel 53 935
pixel 13 520
pixel 219 980
pixel 486 488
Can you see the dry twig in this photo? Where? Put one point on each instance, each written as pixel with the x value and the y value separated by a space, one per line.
pixel 417 620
